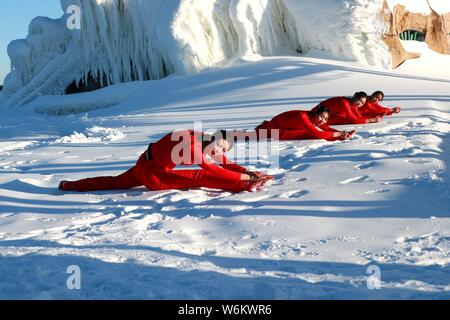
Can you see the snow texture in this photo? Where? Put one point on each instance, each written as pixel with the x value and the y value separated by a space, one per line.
pixel 335 211
pixel 127 40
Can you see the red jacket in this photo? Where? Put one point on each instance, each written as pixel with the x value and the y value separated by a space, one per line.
pixel 298 120
pixel 373 109
pixel 167 154
pixel 342 111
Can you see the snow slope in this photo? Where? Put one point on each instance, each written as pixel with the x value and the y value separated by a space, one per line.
pixel 435 62
pixel 336 208
pixel 121 41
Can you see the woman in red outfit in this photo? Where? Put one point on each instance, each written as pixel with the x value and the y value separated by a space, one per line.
pixel 345 110
pixel 155 168
pixel 372 108
pixel 299 125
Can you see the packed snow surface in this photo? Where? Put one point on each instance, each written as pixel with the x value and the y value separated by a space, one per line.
pixel 121 41
pixel 336 213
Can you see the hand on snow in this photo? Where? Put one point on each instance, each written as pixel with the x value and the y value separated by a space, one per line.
pixel 349 134
pixel 396 110
pixel 375 120
pixel 346 135
pixel 261 177
pixel 258 183
pixel 265 178
pixel 256 174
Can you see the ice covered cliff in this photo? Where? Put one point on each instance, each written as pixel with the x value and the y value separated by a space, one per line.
pixel 127 40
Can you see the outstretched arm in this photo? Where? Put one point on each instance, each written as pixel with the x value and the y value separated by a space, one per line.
pixel 232 166
pixel 316 133
pixel 353 114
pixel 226 163
pixel 200 159
pixel 325 127
pixel 386 111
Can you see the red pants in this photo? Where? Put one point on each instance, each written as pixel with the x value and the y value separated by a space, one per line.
pixel 154 177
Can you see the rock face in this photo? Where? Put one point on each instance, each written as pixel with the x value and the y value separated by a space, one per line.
pixel 438 38
pixel 391 38
pixel 447 22
pixel 436 28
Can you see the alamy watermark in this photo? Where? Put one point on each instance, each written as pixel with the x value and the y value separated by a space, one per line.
pixel 73 21
pixel 374 280
pixel 247 147
pixel 74 280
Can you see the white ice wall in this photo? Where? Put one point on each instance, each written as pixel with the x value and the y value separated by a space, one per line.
pixel 125 40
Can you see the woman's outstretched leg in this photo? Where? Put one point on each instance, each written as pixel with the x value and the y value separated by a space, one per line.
pixel 186 179
pixel 293 134
pixel 126 180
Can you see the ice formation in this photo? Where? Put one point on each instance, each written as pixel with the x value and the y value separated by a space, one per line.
pixel 128 40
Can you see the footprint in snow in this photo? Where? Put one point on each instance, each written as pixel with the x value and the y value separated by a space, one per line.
pixel 377 191
pixel 418 161
pixel 301 167
pixel 294 194
pixel 356 180
pixel 367 165
pixel 298 180
pixel 256 197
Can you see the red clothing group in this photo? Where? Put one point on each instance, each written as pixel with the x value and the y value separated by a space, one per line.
pixel 156 170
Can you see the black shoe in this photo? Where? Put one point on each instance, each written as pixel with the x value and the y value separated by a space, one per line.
pixel 66 186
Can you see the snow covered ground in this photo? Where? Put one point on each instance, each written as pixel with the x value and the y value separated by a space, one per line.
pixel 336 208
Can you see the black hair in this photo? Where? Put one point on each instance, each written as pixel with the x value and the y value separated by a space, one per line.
pixel 220 134
pixel 360 95
pixel 322 109
pixel 378 92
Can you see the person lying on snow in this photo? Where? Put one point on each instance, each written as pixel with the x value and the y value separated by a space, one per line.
pixel 300 125
pixel 345 110
pixel 372 108
pixel 155 169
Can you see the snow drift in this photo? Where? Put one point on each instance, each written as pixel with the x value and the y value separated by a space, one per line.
pixel 129 40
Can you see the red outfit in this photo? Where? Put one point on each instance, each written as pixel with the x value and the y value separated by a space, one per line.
pixel 159 174
pixel 342 111
pixel 373 109
pixel 296 125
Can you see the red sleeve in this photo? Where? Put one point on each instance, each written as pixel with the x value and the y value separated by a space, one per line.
pixel 230 165
pixel 353 115
pixel 325 127
pixel 312 129
pixel 368 110
pixel 212 168
pixel 387 111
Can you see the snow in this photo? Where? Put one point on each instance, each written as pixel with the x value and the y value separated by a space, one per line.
pixel 94 134
pixel 336 208
pixel 440 6
pixel 142 40
pixel 431 62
